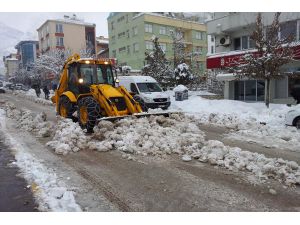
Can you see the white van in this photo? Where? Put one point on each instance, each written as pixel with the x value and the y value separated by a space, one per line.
pixel 146 91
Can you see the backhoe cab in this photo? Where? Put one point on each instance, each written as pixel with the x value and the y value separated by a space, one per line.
pixel 88 87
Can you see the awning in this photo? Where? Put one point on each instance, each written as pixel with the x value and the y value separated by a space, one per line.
pixel 226 77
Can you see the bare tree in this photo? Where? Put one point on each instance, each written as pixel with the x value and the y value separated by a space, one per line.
pixel 272 53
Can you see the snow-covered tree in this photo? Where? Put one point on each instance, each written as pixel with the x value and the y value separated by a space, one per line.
pixel 272 53
pixel 51 63
pixel 178 47
pixel 158 66
pixel 183 74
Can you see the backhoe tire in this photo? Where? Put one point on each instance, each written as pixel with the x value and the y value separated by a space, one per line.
pixel 66 108
pixel 88 112
pixel 141 102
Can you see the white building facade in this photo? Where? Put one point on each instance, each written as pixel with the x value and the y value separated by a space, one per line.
pixel 231 32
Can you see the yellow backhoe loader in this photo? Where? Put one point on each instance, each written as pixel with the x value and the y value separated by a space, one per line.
pixel 89 87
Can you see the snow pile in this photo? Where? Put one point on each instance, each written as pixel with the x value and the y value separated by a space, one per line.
pixel 245 119
pixel 154 135
pixel 269 136
pixel 51 194
pixel 68 137
pixel 31 96
pixel 26 120
pixel 215 153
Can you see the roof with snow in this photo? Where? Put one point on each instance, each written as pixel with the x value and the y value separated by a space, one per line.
pixel 69 21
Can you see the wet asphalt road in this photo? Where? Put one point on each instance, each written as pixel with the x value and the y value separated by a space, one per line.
pixel 14 195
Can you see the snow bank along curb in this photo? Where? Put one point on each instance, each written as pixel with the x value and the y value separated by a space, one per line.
pixel 245 120
pixel 28 121
pixel 31 96
pixel 51 194
pixel 179 134
pixel 216 153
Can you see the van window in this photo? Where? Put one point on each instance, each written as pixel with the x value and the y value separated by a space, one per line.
pixel 149 87
pixel 133 88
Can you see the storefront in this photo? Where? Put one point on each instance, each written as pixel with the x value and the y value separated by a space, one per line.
pixel 254 90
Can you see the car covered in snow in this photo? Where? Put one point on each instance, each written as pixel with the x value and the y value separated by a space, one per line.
pixel 146 91
pixel 292 117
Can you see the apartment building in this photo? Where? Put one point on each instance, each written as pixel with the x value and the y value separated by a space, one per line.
pixel 11 63
pixel 231 32
pixel 27 52
pixel 69 33
pixel 102 47
pixel 130 35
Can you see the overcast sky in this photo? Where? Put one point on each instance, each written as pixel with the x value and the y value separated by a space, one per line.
pixel 29 22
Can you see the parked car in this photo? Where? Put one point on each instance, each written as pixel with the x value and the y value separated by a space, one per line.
pixel 10 86
pixel 292 118
pixel 146 91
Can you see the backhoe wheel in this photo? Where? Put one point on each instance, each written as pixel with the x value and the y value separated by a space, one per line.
pixel 141 102
pixel 88 112
pixel 65 108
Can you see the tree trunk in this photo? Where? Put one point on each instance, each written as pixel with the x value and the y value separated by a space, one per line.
pixel 268 93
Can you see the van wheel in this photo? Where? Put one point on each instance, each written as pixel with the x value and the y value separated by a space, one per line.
pixel 296 122
pixel 88 112
pixel 141 102
pixel 65 107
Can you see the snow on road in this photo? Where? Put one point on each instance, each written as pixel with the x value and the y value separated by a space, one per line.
pixel 178 134
pixel 51 194
pixel 250 122
pixel 31 95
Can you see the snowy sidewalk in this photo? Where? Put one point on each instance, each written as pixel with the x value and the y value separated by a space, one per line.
pixel 14 194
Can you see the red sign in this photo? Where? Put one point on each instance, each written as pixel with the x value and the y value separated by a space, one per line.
pixel 231 59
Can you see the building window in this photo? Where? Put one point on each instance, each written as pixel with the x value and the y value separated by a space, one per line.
pixel 121 19
pixel 112 25
pixel 245 42
pixel 60 41
pixel 47 29
pixel 48 42
pixel 149 45
pixel 237 43
pixel 162 30
pixel 120 35
pixel 293 85
pixel 199 50
pixel 127 34
pixel 127 18
pixel 212 39
pixel 114 53
pixel 136 47
pixel 288 29
pixel 59 28
pixel 163 47
pixel 148 28
pixel 121 50
pixel 135 31
pixel 199 35
pixel 212 49
pixel 113 39
pixel 128 49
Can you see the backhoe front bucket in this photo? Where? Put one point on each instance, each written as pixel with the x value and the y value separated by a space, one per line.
pixel 138 115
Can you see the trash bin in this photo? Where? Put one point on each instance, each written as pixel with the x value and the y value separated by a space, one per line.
pixel 181 95
pixel 178 96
